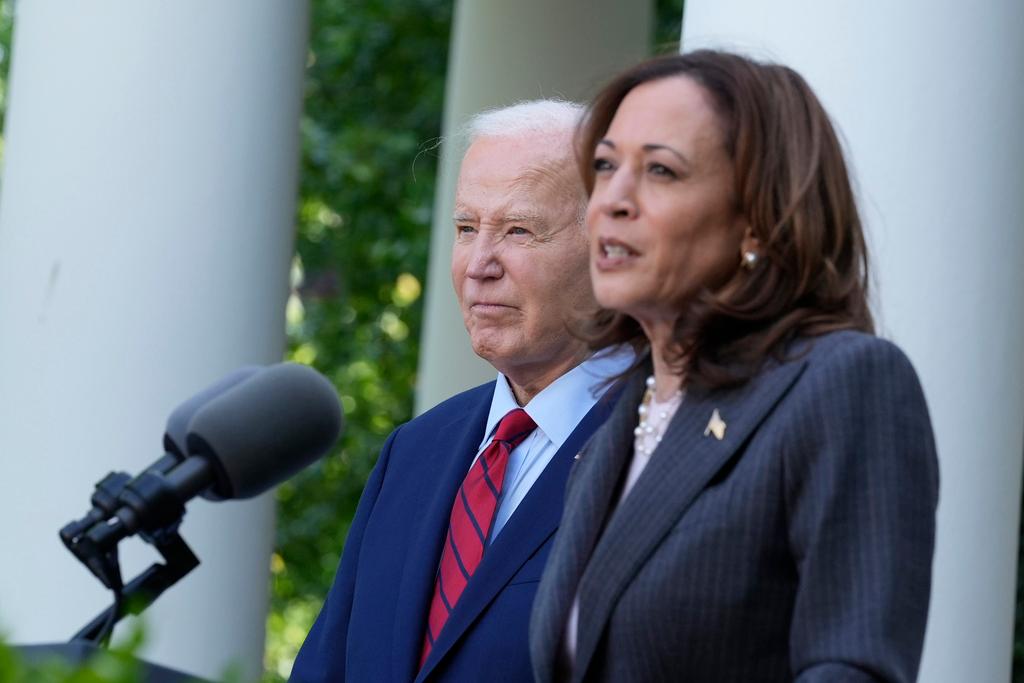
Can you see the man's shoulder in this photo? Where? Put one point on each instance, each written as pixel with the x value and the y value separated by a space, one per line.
pixel 443 425
pixel 458 406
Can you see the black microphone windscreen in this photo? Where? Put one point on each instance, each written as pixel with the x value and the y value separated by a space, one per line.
pixel 176 432
pixel 265 429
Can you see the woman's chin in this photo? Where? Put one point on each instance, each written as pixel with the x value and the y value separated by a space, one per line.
pixel 612 302
pixel 614 296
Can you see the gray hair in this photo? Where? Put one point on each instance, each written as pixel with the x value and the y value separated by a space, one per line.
pixel 550 117
pixel 531 117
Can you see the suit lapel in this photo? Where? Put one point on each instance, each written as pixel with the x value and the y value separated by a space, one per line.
pixel 594 483
pixel 454 450
pixel 530 526
pixel 678 471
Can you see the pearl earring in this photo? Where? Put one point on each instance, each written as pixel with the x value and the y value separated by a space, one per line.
pixel 749 259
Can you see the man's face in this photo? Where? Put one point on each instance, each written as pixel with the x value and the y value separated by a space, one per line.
pixel 519 264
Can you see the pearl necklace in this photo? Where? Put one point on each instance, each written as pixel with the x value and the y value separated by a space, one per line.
pixel 654 418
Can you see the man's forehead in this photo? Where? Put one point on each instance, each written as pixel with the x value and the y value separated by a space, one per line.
pixel 517 159
pixel 508 212
pixel 531 194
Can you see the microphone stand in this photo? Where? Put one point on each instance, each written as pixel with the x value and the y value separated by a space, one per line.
pixel 94 538
pixel 148 506
pixel 144 589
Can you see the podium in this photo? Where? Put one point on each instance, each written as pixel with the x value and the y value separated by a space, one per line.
pixel 79 652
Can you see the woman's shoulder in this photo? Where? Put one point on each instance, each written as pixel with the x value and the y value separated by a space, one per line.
pixel 847 348
pixel 849 365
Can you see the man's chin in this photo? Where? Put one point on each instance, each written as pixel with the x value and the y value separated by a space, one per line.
pixel 499 350
pixel 495 353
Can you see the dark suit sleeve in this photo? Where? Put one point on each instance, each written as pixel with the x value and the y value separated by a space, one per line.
pixel 861 491
pixel 322 656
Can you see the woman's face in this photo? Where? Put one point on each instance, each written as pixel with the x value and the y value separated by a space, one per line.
pixel 662 217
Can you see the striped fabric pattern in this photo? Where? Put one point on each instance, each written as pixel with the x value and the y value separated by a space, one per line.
pixel 798 548
pixel 472 521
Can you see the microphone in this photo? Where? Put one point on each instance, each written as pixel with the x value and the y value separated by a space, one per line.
pixel 253 435
pixel 235 439
pixel 265 431
pixel 105 499
pixel 176 430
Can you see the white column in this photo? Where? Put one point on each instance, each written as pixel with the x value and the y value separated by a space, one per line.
pixel 146 227
pixel 503 52
pixel 930 99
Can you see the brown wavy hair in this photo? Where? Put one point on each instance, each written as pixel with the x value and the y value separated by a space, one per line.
pixel 792 187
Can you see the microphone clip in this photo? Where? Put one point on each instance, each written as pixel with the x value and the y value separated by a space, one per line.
pixel 148 506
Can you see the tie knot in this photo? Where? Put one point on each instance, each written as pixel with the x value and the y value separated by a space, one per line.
pixel 514 427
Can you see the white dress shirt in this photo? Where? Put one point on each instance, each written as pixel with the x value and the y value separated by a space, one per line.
pixel 557 409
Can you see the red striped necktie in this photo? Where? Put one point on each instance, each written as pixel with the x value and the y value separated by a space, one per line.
pixel 472 520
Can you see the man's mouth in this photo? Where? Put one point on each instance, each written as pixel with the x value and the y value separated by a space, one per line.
pixel 485 307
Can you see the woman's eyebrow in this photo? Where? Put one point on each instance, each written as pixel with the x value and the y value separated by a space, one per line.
pixel 651 147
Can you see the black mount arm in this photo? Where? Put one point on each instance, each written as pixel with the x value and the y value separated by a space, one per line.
pixel 118 511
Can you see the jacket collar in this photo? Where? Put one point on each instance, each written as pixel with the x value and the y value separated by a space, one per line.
pixel 458 439
pixel 687 459
pixel 532 524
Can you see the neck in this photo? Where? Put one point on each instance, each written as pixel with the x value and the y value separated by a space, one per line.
pixel 528 381
pixel 667 380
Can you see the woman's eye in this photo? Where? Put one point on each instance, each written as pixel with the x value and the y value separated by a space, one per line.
pixel 602 164
pixel 661 170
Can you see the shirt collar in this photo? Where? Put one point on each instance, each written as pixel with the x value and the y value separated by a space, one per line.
pixel 563 403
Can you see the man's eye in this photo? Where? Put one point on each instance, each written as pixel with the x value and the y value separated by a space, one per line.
pixel 516 230
pixel 464 229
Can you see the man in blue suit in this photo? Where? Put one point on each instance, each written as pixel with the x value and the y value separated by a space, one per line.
pixel 444 555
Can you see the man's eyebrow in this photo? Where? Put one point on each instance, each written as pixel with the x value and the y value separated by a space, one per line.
pixel 521 218
pixel 500 216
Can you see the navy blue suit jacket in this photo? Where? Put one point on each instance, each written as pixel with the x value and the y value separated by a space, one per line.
pixel 371 626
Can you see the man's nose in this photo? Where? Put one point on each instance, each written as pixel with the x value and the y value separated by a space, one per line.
pixel 485 261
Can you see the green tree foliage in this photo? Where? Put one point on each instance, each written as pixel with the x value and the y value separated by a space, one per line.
pixel 6 27
pixel 117 665
pixel 373 105
pixel 667 25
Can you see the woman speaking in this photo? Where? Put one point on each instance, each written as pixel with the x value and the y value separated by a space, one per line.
pixel 761 504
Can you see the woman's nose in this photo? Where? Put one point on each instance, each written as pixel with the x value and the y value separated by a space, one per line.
pixel 618 196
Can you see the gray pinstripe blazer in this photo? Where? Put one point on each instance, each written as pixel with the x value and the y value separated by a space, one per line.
pixel 798 547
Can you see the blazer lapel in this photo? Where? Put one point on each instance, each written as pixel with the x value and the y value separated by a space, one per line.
pixel 457 445
pixel 678 471
pixel 594 484
pixel 530 526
